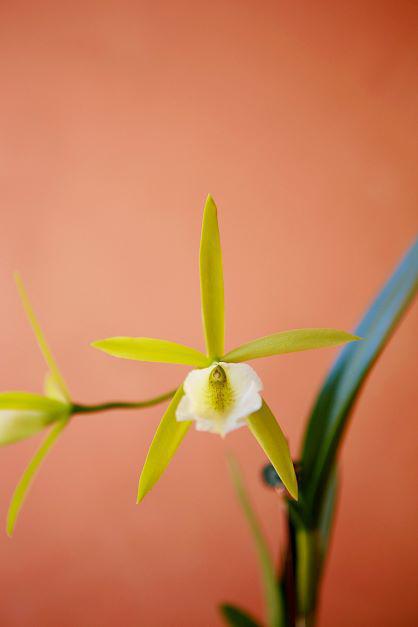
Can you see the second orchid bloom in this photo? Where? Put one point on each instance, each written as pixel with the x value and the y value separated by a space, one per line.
pixel 221 393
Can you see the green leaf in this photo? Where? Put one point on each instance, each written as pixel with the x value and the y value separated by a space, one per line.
pixel 235 617
pixel 332 409
pixel 212 282
pixel 306 571
pixel 274 602
pixel 50 361
pixel 289 342
pixel 167 439
pixel 268 434
pixel 150 349
pixel 23 414
pixel 29 474
pixel 327 515
pixel 312 546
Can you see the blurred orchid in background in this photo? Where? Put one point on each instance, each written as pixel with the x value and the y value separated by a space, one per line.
pixel 23 414
pixel 221 393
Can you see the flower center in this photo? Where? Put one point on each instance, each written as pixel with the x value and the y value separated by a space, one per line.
pixel 220 393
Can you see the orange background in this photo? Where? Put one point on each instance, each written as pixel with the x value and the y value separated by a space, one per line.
pixel 116 120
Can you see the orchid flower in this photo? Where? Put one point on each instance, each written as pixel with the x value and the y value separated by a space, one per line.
pixel 23 414
pixel 221 393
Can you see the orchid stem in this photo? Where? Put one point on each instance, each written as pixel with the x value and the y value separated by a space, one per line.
pixel 91 409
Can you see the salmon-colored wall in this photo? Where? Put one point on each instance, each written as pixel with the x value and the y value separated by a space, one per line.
pixel 116 120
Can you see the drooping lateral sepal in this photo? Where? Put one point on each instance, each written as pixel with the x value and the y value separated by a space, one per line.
pixel 167 439
pixel 24 484
pixel 270 437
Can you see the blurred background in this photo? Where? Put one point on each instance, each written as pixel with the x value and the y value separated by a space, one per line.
pixel 117 118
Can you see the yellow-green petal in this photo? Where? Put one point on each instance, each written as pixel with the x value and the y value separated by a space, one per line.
pixel 268 434
pixel 167 439
pixel 150 349
pixel 289 342
pixel 40 338
pixel 23 414
pixel 24 484
pixel 212 282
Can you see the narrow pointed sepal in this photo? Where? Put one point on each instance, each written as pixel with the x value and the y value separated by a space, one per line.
pixel 24 484
pixel 289 342
pixel 40 338
pixel 270 437
pixel 212 282
pixel 152 350
pixel 167 439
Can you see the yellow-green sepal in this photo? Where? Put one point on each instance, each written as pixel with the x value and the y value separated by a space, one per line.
pixel 53 390
pixel 24 484
pixel 40 338
pixel 212 282
pixel 152 350
pixel 289 342
pixel 270 437
pixel 167 439
pixel 23 414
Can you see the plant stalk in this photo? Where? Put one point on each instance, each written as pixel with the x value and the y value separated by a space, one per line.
pixel 91 409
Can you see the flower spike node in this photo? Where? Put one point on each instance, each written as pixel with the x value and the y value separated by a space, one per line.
pixel 221 393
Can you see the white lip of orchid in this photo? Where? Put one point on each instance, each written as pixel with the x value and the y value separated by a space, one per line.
pixel 221 397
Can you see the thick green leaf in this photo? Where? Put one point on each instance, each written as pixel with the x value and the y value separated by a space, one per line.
pixel 307 570
pixel 167 439
pixel 289 342
pixel 332 409
pixel 268 434
pixel 50 361
pixel 235 617
pixel 312 546
pixel 29 474
pixel 327 515
pixel 23 414
pixel 212 282
pixel 150 349
pixel 274 602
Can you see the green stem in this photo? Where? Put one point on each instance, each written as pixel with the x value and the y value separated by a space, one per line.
pixel 306 575
pixel 91 409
